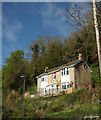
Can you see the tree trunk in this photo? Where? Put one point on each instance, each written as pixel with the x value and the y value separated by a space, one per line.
pixel 97 35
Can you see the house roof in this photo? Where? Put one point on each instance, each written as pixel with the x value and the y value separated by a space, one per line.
pixel 70 64
pixel 73 63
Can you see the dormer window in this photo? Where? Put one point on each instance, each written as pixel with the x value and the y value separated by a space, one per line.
pixel 54 76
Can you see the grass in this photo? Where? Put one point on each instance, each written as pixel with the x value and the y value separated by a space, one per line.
pixel 77 112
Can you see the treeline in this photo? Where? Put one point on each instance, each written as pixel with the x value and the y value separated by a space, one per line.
pixel 46 51
pixel 50 51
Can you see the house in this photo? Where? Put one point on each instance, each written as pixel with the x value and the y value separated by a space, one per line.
pixel 67 77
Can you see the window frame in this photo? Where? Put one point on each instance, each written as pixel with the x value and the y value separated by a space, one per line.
pixel 68 86
pixel 54 75
pixel 42 79
pixel 62 72
pixel 67 71
pixel 64 88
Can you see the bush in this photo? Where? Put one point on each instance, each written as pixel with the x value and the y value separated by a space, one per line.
pixel 6 112
pixel 95 74
pixel 33 89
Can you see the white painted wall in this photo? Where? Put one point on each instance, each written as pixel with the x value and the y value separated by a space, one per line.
pixel 65 78
pixel 45 82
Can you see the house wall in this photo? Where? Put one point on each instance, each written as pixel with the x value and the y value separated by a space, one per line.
pixel 65 78
pixel 56 81
pixel 59 80
pixel 72 76
pixel 39 84
pixel 83 75
pixel 45 82
pixel 71 70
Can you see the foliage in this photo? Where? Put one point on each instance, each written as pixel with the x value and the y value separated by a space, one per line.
pixel 32 89
pixel 12 98
pixel 15 66
pixel 46 51
pixel 95 74
pixel 63 106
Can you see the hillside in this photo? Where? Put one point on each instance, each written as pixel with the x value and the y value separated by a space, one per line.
pixel 75 105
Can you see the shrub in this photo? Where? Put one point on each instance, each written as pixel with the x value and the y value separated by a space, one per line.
pixel 33 89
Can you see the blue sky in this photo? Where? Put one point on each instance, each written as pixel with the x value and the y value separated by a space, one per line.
pixel 23 22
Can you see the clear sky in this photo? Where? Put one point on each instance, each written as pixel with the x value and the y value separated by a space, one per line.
pixel 23 22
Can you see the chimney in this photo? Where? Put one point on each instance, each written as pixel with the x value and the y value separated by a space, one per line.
pixel 80 56
pixel 46 68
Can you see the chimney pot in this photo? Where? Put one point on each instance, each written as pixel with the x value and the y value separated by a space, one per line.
pixel 46 68
pixel 80 56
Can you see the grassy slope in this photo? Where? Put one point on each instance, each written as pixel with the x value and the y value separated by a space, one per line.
pixel 80 112
pixel 75 105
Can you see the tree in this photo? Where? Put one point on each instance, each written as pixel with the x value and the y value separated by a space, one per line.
pixel 84 21
pixel 76 15
pixel 97 35
pixel 14 68
pixel 46 51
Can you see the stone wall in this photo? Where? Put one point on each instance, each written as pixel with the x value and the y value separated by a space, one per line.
pixel 83 75
pixel 56 81
pixel 72 76
pixel 69 90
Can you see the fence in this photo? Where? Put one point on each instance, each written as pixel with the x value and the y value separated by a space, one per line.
pixel 52 92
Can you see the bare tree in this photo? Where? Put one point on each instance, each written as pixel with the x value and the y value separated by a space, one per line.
pixel 97 35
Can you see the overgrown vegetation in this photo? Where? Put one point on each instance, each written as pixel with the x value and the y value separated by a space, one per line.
pixel 52 51
pixel 75 105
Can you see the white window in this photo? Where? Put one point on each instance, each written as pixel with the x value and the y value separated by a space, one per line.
pixel 68 86
pixel 62 72
pixel 54 76
pixel 42 89
pixel 67 71
pixel 65 86
pixel 42 79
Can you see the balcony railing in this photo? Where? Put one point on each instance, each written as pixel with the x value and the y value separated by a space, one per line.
pixel 53 92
